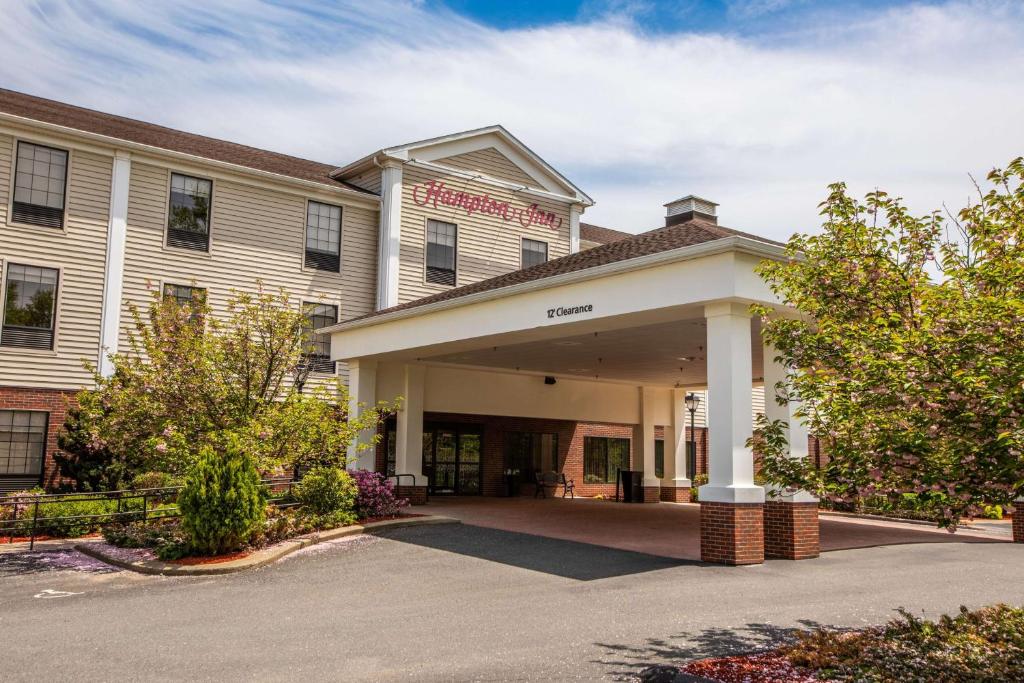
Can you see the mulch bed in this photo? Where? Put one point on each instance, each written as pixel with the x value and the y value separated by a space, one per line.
pixel 26 539
pixel 763 668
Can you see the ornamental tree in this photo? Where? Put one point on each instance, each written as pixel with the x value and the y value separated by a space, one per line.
pixel 189 376
pixel 907 350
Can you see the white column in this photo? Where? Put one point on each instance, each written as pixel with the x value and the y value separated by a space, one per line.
pixel 644 438
pixel 676 438
pixel 730 424
pixel 362 388
pixel 409 431
pixel 113 274
pixel 574 228
pixel 796 431
pixel 389 239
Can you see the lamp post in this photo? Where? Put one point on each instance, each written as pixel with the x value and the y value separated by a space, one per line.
pixel 692 401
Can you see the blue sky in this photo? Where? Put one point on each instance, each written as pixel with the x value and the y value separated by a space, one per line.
pixel 755 104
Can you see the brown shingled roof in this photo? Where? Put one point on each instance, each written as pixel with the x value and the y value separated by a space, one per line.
pixel 652 242
pixel 595 233
pixel 91 121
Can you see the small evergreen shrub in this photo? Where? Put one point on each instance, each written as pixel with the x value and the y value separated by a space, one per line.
pixel 155 480
pixel 328 497
pixel 376 495
pixel 223 502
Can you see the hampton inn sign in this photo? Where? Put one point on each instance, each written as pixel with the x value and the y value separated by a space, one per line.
pixel 434 194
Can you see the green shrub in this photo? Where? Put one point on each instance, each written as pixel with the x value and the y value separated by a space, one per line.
pixel 697 481
pixel 165 537
pixel 328 494
pixel 993 512
pixel 223 502
pixel 984 646
pixel 155 480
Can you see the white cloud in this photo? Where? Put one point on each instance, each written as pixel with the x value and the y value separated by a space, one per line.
pixel 908 99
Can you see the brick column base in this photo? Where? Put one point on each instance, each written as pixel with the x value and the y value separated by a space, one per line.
pixel 675 495
pixel 732 533
pixel 417 495
pixel 791 530
pixel 652 494
pixel 1018 523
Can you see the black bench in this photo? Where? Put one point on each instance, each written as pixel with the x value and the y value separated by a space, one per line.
pixel 552 480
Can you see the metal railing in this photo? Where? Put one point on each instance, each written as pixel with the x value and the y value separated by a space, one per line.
pixel 398 482
pixel 26 514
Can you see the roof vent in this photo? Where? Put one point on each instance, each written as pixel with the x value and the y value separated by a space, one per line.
pixel 688 208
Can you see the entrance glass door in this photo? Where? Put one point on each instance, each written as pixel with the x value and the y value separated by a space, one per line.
pixel 452 458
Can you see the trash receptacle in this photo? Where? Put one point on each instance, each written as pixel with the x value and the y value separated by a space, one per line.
pixel 632 486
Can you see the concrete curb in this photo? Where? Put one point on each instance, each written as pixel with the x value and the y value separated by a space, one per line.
pixel 883 518
pixel 260 557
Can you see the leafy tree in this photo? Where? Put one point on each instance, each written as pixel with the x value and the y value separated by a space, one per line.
pixel 908 350
pixel 189 376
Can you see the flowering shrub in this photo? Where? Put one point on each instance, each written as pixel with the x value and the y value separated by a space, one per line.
pixel 913 383
pixel 981 646
pixel 376 495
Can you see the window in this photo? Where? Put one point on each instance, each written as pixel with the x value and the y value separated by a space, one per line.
pixel 185 295
pixel 531 452
pixel 22 441
pixel 534 253
pixel 29 307
pixel 441 238
pixel 317 316
pixel 40 180
pixel 603 458
pixel 188 215
pixel 323 237
pixel 659 458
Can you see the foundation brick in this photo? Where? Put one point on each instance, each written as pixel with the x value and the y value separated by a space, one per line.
pixel 675 495
pixel 417 495
pixel 1018 523
pixel 732 533
pixel 791 530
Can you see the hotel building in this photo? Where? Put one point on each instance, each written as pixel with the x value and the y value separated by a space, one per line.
pixel 455 272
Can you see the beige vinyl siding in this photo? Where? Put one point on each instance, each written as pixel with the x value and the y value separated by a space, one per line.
pixel 368 180
pixel 79 252
pixel 701 416
pixel 493 163
pixel 255 234
pixel 487 245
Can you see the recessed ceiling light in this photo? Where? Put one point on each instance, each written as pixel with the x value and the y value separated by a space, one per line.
pixel 686 359
pixel 568 343
pixel 579 369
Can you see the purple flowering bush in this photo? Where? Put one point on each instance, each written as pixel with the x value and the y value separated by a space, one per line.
pixel 376 497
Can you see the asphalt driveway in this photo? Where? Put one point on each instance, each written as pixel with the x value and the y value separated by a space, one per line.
pixel 673 530
pixel 461 603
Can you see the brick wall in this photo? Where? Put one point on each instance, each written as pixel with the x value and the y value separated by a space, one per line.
pixel 732 533
pixel 791 530
pixel 1018 523
pixel 53 401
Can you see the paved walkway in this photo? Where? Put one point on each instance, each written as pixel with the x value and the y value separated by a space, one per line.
pixel 666 529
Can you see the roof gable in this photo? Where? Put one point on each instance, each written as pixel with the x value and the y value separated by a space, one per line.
pixel 435 150
pixel 490 162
